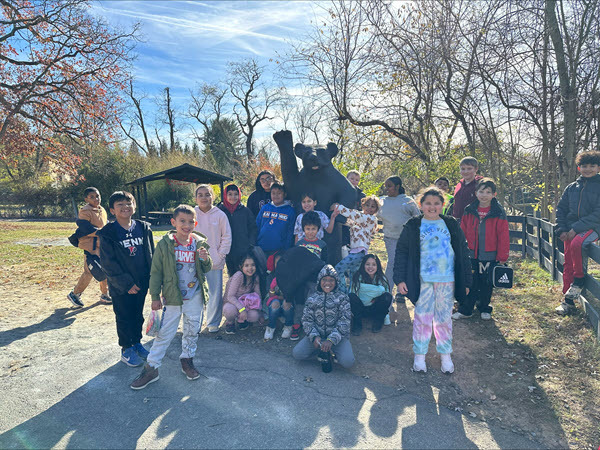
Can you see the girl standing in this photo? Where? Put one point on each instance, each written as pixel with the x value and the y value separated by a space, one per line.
pixel 262 195
pixel 396 209
pixel 432 267
pixel 242 296
pixel 362 230
pixel 213 223
pixel 243 227
pixel 369 294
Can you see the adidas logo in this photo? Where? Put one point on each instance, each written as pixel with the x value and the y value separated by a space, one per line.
pixel 504 279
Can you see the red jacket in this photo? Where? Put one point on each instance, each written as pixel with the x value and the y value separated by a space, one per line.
pixel 488 240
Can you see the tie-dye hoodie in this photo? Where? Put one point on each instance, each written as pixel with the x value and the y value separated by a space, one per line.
pixel 327 315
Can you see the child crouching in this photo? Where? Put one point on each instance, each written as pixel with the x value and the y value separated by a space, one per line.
pixel 326 322
pixel 242 296
pixel 179 265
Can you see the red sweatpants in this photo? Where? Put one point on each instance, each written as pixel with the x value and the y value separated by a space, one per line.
pixel 573 267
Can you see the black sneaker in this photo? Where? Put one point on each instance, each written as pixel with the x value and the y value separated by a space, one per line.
pixel 230 328
pixel 75 299
pixel 356 328
pixel 377 326
pixel 243 325
pixel 325 359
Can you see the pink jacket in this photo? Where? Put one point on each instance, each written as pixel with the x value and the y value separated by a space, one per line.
pixel 239 295
pixel 215 226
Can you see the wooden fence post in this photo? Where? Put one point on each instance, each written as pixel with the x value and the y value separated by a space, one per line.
pixel 554 250
pixel 539 246
pixel 524 238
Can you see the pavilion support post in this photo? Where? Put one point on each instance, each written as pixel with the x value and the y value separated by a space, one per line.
pixel 145 200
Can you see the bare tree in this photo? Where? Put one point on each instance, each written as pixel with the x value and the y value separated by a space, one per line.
pixel 136 119
pixel 206 105
pixel 253 99
pixel 167 117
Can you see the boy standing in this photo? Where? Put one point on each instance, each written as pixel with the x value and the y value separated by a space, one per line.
pixel 275 222
pixel 92 217
pixel 464 192
pixel 178 270
pixel 578 225
pixel 126 247
pixel 311 223
pixel 443 184
pixel 486 228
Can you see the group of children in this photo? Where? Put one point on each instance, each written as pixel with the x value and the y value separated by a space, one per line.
pixel 433 259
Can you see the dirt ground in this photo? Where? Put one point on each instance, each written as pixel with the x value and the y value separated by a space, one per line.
pixel 527 370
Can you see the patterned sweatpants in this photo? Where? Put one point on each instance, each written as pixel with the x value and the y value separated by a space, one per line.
pixel 191 310
pixel 434 307
pixel 346 268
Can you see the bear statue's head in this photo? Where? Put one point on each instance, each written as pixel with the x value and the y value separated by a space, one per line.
pixel 315 157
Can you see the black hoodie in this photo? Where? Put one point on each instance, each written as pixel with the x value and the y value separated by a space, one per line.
pixel 259 197
pixel 122 274
pixel 579 206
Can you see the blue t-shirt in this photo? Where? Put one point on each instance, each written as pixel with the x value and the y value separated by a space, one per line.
pixel 437 254
pixel 133 240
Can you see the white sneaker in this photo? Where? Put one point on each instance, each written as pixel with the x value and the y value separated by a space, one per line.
pixel 387 320
pixel 269 332
pixel 213 329
pixel 447 365
pixel 565 308
pixel 486 316
pixel 419 364
pixel 458 316
pixel 287 331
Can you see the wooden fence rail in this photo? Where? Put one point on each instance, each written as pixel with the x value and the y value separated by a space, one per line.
pixel 539 242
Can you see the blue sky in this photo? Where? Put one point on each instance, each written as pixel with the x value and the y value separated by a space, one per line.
pixel 189 42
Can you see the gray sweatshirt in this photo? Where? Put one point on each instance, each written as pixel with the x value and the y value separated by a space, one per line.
pixel 395 212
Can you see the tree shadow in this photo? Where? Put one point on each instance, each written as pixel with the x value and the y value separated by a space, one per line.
pixel 246 399
pixel 60 318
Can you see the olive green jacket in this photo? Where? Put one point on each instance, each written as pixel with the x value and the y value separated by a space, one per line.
pixel 163 274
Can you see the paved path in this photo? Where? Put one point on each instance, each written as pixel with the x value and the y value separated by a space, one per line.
pixel 256 400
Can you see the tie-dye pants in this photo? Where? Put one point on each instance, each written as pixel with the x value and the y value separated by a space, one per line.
pixel 433 310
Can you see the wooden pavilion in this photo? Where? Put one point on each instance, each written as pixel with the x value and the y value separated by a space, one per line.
pixel 185 172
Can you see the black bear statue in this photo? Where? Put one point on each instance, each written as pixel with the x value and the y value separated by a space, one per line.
pixel 319 177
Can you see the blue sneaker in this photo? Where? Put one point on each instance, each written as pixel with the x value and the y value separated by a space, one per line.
pixel 130 357
pixel 141 351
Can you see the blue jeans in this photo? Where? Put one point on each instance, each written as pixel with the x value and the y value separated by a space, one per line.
pixel 275 313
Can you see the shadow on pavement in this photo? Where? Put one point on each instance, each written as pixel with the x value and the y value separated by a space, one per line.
pixel 60 318
pixel 247 399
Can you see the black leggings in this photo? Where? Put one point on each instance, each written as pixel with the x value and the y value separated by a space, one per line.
pixel 377 311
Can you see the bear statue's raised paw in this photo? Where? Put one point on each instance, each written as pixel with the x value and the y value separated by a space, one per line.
pixel 283 137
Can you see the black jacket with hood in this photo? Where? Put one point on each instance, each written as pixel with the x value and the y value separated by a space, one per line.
pixel 579 206
pixel 259 197
pixel 243 229
pixel 120 270
pixel 407 265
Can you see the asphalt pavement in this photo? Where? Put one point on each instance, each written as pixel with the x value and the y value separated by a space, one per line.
pixel 246 398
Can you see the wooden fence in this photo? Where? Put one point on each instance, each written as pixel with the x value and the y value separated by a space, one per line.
pixel 537 241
